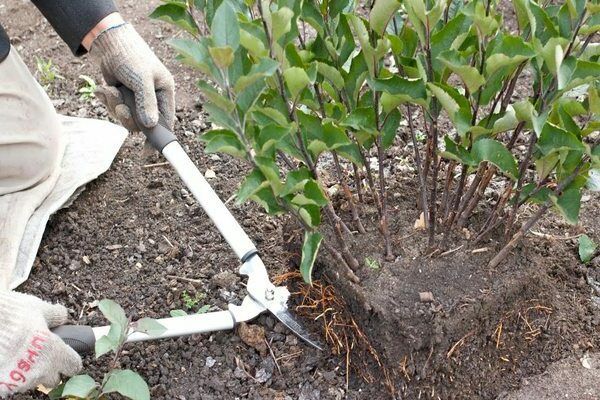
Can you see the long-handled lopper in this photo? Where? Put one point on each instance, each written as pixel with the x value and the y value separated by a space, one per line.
pixel 262 294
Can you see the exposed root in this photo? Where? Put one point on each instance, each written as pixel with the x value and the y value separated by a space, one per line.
pixel 319 302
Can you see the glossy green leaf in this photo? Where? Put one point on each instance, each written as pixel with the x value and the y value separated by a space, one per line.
pixel 409 90
pixel 223 141
pixel 494 152
pixel 587 248
pixel 253 182
pixel 215 97
pixel 471 77
pixel 332 137
pixel 381 13
pixel 265 198
pixel 296 80
pixel 455 104
pixel 270 136
pixel 554 138
pixel 128 384
pixel 361 118
pixel 310 249
pixel 511 51
pixel 331 73
pixel 80 386
pixel 225 28
pixel 265 68
pixel 458 153
pixel 195 53
pixel 271 171
pixel 177 15
pixel 568 205
pixel 390 128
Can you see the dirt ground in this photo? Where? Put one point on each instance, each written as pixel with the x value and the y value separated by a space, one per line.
pixel 487 334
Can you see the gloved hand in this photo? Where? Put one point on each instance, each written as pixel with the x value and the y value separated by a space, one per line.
pixel 126 59
pixel 29 353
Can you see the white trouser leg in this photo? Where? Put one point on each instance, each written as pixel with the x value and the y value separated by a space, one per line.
pixel 31 150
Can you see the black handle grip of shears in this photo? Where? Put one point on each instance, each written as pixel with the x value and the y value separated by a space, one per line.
pixel 80 338
pixel 160 135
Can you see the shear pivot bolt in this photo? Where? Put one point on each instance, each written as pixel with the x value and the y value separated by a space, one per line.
pixel 269 294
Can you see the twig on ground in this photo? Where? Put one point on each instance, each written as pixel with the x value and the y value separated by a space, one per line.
pixel 273 355
pixel 160 164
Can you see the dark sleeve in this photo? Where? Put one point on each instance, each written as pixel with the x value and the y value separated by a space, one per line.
pixel 73 19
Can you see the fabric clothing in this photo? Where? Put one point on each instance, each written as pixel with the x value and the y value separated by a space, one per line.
pixel 71 19
pixel 31 150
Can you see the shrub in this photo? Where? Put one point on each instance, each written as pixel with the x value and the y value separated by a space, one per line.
pixel 292 86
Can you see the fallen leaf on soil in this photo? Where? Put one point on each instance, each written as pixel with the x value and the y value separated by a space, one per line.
pixel 43 389
pixel 114 247
pixel 420 223
pixel 210 174
pixel 585 361
pixel 253 336
pixel 86 260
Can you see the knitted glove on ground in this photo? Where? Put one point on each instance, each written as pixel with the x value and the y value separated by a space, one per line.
pixel 29 353
pixel 125 59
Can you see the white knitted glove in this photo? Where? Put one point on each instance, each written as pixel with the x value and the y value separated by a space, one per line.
pixel 29 353
pixel 125 59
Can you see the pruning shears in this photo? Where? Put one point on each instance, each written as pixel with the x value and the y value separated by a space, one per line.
pixel 262 294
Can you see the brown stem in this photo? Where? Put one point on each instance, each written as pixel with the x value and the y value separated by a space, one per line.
pixel 471 191
pixel 464 216
pixel 491 224
pixel 420 171
pixel 347 193
pixel 445 206
pixel 522 170
pixel 457 197
pixel 358 184
pixel 340 262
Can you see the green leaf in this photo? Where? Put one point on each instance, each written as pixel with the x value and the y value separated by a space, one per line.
pixel 113 312
pixel 455 104
pixel 281 21
pixel 471 77
pixel 554 139
pixel 332 74
pixel 568 204
pixel 313 194
pixel 270 136
pixel 222 56
pixel 215 97
pixel 295 181
pixel 310 249
pixel 107 343
pixel 80 386
pixel 271 171
pixel 177 313
pixel 587 248
pixel 296 80
pixel 582 72
pixel 412 90
pixel 177 15
pixel 252 40
pixel 390 128
pixel 223 141
pixel 458 153
pixel 204 309
pixel 149 326
pixel 266 67
pixel 195 53
pixel 267 200
pixel 381 14
pixel 331 138
pixel 494 152
pixel 128 384
pixel 350 152
pixel 361 118
pixel 225 28
pixel 511 51
pixel 254 182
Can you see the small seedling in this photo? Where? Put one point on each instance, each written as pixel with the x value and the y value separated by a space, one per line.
pixel 190 301
pixel 125 382
pixel 88 89
pixel 372 263
pixel 47 71
pixel 181 313
pixel 587 248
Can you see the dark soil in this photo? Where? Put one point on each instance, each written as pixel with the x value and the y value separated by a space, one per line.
pixel 142 233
